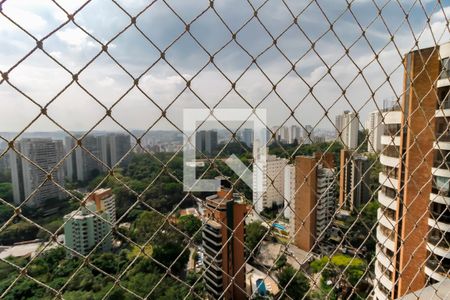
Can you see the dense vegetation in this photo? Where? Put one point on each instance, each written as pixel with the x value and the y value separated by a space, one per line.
pixel 340 275
pixel 90 281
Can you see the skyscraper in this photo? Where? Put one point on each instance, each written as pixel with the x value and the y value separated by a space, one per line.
pixel 308 134
pixel 315 197
pixel 97 152
pixel 206 141
pixel 289 190
pixel 414 195
pixel 119 145
pixel 271 173
pixel 295 134
pixel 374 127
pixel 247 136
pixel 28 178
pixel 347 126
pixel 354 180
pixel 223 241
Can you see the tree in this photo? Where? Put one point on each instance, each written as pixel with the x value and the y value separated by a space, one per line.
pixel 6 213
pixel 294 282
pixel 169 250
pixel 254 233
pixel 18 232
pixel 145 226
pixel 6 192
pixel 191 225
pixel 281 262
pixel 344 271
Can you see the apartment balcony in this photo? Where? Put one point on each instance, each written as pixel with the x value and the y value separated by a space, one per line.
pixel 379 295
pixel 382 278
pixel 441 145
pixel 213 232
pixel 383 259
pixel 435 270
pixel 390 140
pixel 211 264
pixel 440 172
pixel 217 275
pixel 438 225
pixel 440 213
pixel 387 181
pixel 438 196
pixel 438 247
pixel 444 80
pixel 387 201
pixel 384 240
pixel 443 111
pixel 393 117
pixel 443 137
pixel 214 244
pixel 384 220
pixel 214 286
pixel 389 161
pixel 443 164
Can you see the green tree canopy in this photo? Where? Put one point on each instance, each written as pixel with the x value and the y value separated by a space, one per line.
pixel 294 282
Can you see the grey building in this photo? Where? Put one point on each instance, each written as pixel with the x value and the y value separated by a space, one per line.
pixel 247 136
pixel 96 155
pixel 206 141
pixel 354 179
pixel 27 178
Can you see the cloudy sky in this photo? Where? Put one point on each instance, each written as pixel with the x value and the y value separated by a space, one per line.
pixel 109 78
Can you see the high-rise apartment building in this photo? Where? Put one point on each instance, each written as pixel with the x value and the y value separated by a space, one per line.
pixel 315 197
pixel 374 127
pixel 119 145
pixel 98 150
pixel 84 229
pixel 30 180
pixel 247 136
pixel 354 180
pixel 295 134
pixel 308 134
pixel 414 216
pixel 284 134
pixel 206 141
pixel 289 190
pixel 223 241
pixel 105 201
pixel 347 126
pixel 271 174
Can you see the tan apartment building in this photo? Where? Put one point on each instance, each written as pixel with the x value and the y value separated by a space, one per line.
pixel 414 181
pixel 314 201
pixel 223 242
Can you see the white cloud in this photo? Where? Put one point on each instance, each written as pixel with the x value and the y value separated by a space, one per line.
pixel 107 81
pixel 73 37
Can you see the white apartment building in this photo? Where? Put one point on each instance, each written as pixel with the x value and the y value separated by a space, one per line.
pixel 83 230
pixel 375 128
pixel 347 126
pixel 289 190
pixel 27 178
pixel 269 176
pixel 326 199
pixel 105 201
